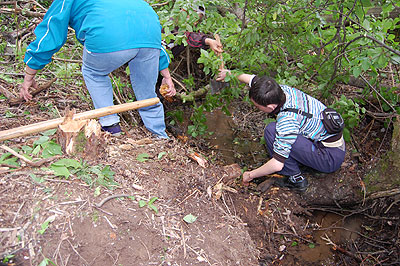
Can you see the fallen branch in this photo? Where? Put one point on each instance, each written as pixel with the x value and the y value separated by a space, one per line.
pixel 190 97
pixel 22 12
pixel 6 92
pixel 13 102
pixel 339 249
pixel 382 194
pixel 110 198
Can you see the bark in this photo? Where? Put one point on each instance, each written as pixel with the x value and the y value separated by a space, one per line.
pixel 81 138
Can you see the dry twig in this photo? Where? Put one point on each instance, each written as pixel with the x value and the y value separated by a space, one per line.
pixel 110 198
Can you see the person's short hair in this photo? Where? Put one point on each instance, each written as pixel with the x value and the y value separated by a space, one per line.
pixel 265 90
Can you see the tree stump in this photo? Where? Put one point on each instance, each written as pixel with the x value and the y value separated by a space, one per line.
pixel 82 138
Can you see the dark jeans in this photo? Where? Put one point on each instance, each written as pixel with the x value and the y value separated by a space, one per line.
pixel 307 153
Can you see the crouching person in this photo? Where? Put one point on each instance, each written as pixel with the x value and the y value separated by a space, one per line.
pixel 299 136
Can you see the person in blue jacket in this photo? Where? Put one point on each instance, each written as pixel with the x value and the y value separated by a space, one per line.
pixel 298 137
pixel 113 33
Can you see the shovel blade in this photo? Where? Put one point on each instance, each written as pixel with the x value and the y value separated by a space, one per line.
pixel 217 86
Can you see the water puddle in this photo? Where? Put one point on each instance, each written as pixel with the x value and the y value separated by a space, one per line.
pixel 233 146
pixel 327 227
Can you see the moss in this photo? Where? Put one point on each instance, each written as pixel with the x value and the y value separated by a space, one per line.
pixel 385 175
pixel 80 142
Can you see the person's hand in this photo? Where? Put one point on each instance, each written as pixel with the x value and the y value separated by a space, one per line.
pixel 214 45
pixel 171 87
pixel 247 178
pixel 222 74
pixel 167 79
pixel 29 81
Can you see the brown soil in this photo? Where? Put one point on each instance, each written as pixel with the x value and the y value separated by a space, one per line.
pixel 235 225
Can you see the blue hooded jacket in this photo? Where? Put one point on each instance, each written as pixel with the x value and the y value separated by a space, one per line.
pixel 101 25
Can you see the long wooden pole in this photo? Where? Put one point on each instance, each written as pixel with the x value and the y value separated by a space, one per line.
pixel 54 123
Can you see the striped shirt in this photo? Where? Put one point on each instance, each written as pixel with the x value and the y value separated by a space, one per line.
pixel 289 124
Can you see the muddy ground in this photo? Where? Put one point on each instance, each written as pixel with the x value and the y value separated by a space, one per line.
pixel 136 215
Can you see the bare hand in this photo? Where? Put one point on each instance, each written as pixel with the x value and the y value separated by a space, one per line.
pixel 29 82
pixel 171 87
pixel 247 178
pixel 222 74
pixel 215 46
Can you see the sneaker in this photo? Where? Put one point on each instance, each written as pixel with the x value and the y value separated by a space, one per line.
pixel 295 182
pixel 114 129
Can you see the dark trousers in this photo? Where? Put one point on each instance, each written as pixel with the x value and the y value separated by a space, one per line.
pixel 306 152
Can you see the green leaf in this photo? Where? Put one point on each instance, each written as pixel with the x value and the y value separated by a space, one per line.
pixel 190 218
pixel 27 149
pixel 142 157
pixel 152 200
pixel 107 171
pixel 10 114
pixel 366 3
pixel 5 156
pixel 154 208
pixel 46 224
pixel 11 161
pixel 366 24
pixel 161 154
pixel 68 163
pixel 41 140
pixel 294 243
pixel 49 132
pixel 97 191
pixel 311 245
pixel 60 171
pixel 51 149
pixel 365 65
pixel 142 203
pixel 46 262
pixel 36 150
pixel 36 179
pixel 346 134
pixel 357 71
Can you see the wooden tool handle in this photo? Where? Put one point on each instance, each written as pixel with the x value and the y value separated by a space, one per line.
pixel 217 38
pixel 54 123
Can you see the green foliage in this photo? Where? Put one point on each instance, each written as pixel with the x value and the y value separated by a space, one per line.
pixel 42 148
pixel 45 3
pixel 62 167
pixel 8 258
pixel 161 155
pixel 190 218
pixel 150 204
pixel 46 147
pixel 46 224
pixel 143 157
pixel 351 113
pixel 176 116
pixel 298 41
pixel 6 158
pixel 91 175
pixel 198 118
pixel 46 262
